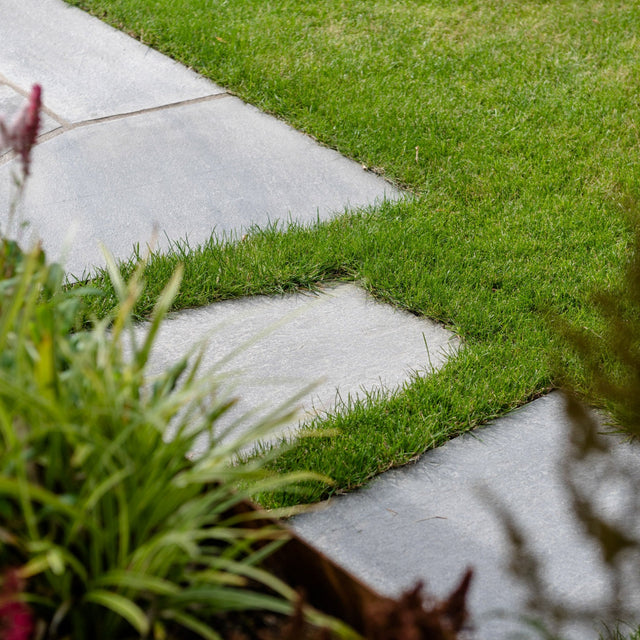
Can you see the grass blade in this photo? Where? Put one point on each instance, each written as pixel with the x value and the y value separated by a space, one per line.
pixel 122 606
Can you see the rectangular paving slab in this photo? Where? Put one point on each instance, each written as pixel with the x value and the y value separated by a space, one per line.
pixel 185 171
pixel 430 521
pixel 331 346
pixel 88 69
pixel 138 147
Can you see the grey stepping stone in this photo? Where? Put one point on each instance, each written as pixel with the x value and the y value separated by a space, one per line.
pixel 189 170
pixel 342 341
pixel 171 155
pixel 88 69
pixel 429 521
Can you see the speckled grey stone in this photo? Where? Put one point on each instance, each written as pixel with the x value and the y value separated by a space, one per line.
pixel 341 341
pixel 186 171
pixel 176 158
pixel 87 69
pixel 430 520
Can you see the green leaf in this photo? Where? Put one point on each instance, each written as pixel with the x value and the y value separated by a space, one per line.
pixel 222 599
pixel 12 487
pixel 221 564
pixel 105 486
pixel 124 607
pixel 139 581
pixel 114 274
pixel 189 622
pixel 57 557
pixel 56 561
pixel 35 566
pixel 162 306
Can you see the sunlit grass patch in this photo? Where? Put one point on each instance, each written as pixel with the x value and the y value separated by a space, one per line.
pixel 515 125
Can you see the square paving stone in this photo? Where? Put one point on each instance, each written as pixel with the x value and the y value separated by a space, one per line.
pixel 432 520
pixel 341 341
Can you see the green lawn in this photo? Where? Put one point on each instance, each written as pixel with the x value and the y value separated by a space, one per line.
pixel 516 126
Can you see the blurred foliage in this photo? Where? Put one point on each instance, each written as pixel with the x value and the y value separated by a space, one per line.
pixel 112 529
pixel 600 471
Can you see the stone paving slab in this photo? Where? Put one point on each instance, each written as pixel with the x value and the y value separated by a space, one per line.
pixel 189 170
pixel 87 69
pixel 175 154
pixel 429 521
pixel 340 340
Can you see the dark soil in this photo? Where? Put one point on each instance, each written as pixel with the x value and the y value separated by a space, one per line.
pixel 262 625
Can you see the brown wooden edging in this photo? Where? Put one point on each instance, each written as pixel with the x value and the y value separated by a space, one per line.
pixel 330 588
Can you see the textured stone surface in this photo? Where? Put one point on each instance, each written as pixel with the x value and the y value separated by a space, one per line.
pixel 430 520
pixel 342 341
pixel 87 69
pixel 186 171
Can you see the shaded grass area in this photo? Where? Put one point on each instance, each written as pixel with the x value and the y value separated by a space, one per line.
pixel 514 124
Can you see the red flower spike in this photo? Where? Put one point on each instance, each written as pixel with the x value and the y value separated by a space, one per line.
pixel 22 134
pixel 26 128
pixel 16 622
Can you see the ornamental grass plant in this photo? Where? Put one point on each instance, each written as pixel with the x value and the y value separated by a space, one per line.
pixel 112 530
pixel 109 529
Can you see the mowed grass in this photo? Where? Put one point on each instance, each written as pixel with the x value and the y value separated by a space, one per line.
pixel 514 124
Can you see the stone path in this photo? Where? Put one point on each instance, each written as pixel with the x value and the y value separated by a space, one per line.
pixel 137 142
pixel 331 347
pixel 134 141
pixel 431 520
